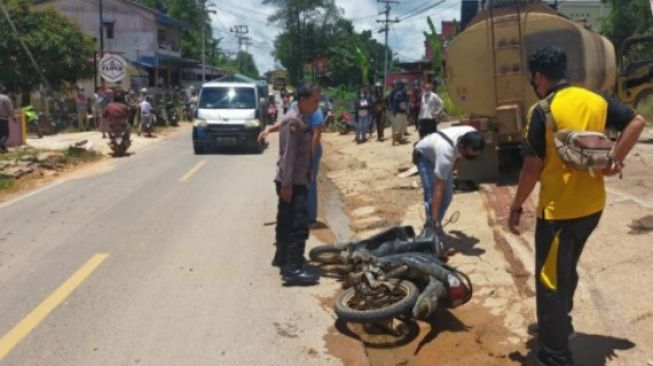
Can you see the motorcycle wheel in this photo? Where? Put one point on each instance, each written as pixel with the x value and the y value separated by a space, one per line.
pixel 327 254
pixel 342 128
pixel 351 307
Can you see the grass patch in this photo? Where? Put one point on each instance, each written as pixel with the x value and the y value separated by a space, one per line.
pixel 17 154
pixel 73 156
pixel 7 184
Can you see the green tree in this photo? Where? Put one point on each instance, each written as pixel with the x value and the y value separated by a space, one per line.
pixel 246 64
pixel 627 18
pixel 352 58
pixel 62 52
pixel 434 40
pixel 299 18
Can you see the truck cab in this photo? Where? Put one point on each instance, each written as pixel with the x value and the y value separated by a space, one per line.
pixel 228 115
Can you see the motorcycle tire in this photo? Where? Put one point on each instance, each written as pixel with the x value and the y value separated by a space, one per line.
pixel 327 254
pixel 345 312
pixel 39 133
pixel 342 129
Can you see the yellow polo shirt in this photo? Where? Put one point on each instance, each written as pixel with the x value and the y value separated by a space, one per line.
pixel 566 193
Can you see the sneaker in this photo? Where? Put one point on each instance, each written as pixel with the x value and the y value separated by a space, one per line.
pixel 547 359
pixel 533 330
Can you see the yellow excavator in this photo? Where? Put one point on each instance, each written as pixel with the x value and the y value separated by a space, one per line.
pixel 634 84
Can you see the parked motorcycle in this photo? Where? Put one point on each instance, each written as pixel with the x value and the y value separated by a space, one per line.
pixel 147 125
pixel 171 114
pixel 157 117
pixel 345 123
pixel 392 274
pixel 119 140
pixel 34 120
pixel 189 111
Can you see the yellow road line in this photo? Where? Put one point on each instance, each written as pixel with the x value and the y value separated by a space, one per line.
pixel 33 319
pixel 193 170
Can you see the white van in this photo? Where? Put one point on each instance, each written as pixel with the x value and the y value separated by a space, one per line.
pixel 228 114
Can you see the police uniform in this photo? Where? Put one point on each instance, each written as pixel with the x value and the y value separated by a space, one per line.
pixel 293 169
pixel 570 205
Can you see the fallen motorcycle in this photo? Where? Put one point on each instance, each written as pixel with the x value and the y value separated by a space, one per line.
pixel 392 274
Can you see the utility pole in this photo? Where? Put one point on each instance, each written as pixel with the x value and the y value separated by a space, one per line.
pixel 101 30
pixel 386 28
pixel 206 12
pixel 241 33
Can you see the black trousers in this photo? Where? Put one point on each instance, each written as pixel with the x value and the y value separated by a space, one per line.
pixel 427 127
pixel 4 132
pixel 292 225
pixel 379 122
pixel 558 247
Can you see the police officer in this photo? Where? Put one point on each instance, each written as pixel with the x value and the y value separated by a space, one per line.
pixel 293 177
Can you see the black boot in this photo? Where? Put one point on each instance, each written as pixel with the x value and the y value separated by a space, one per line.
pixel 296 273
pixel 280 255
pixel 428 231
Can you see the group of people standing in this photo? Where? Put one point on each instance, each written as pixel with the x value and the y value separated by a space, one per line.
pixel 93 108
pixel 420 106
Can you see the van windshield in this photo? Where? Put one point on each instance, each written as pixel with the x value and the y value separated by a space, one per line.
pixel 227 98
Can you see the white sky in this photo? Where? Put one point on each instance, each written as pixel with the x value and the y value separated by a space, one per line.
pixel 406 38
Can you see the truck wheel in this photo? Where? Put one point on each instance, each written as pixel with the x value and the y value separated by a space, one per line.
pixel 199 150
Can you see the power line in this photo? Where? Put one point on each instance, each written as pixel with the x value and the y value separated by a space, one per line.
pixel 406 17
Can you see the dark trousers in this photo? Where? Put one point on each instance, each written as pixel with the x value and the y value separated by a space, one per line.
pixel 4 133
pixel 378 121
pixel 292 226
pixel 558 247
pixel 427 127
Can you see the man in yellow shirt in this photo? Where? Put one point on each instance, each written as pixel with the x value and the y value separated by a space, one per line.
pixel 570 201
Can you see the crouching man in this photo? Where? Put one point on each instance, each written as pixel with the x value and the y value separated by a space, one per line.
pixel 293 177
pixel 435 157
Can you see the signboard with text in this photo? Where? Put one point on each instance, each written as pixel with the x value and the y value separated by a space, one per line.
pixel 113 68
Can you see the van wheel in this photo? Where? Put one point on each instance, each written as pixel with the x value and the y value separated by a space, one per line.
pixel 198 149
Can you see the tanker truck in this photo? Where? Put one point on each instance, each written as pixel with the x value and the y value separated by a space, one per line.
pixel 487 75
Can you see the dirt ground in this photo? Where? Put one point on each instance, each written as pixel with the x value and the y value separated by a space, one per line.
pixel 613 315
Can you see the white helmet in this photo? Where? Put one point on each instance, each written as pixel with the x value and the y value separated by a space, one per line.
pixel 144 91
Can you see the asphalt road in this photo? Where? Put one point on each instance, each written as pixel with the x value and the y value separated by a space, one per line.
pixel 161 260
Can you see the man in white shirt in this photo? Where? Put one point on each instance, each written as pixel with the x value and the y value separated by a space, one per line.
pixel 431 107
pixel 435 157
pixel 146 113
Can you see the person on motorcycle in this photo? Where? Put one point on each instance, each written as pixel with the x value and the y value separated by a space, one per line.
pixel 146 113
pixel 436 156
pixel 116 115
